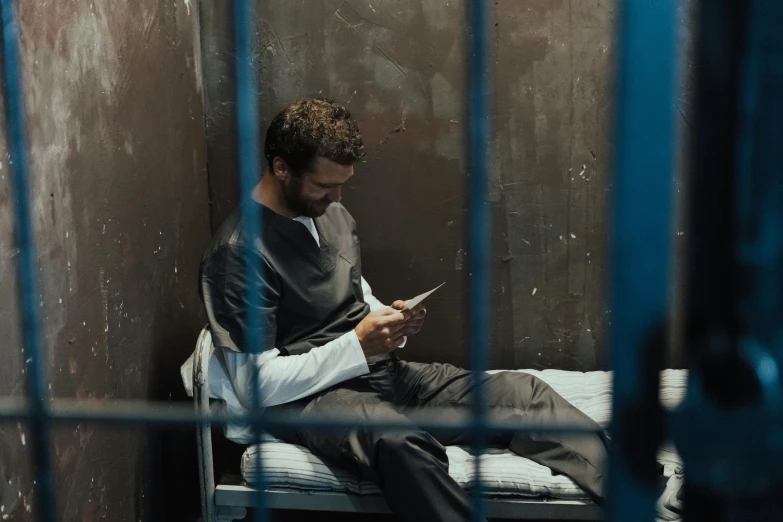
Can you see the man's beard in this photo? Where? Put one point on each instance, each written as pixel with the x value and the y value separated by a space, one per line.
pixel 292 192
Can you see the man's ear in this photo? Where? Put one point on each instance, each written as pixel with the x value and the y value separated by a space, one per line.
pixel 280 169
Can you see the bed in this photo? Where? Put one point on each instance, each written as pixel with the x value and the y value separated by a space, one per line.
pixel 517 488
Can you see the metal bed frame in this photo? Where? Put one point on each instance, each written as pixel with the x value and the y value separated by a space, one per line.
pixel 228 499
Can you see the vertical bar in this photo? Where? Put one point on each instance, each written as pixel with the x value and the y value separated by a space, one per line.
pixel 712 287
pixel 480 225
pixel 248 122
pixel 16 131
pixel 641 247
pixel 735 294
pixel 758 201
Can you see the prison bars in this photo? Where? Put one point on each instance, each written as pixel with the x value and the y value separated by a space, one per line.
pixel 644 111
pixel 641 249
pixel 248 123
pixel 479 274
pixel 16 135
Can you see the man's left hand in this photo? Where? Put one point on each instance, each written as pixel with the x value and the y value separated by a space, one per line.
pixel 414 317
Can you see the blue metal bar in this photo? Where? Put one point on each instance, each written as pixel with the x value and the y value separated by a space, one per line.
pixel 16 130
pixel 249 142
pixel 641 249
pixel 248 122
pixel 734 312
pixel 480 227
pixel 145 412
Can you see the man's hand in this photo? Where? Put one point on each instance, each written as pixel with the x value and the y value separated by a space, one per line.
pixel 414 319
pixel 381 331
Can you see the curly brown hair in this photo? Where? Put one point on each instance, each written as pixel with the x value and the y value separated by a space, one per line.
pixel 310 128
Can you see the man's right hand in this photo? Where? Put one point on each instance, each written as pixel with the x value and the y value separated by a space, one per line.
pixel 381 332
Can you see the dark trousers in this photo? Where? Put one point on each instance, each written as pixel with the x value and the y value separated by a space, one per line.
pixel 411 466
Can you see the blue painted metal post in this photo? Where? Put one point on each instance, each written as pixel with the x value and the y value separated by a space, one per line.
pixel 480 225
pixel 734 304
pixel 33 350
pixel 641 249
pixel 248 121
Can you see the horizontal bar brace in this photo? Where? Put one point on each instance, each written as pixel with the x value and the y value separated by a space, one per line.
pixel 166 414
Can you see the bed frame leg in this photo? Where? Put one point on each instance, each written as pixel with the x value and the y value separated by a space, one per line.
pixel 230 513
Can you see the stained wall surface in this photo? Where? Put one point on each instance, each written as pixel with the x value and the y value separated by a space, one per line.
pixel 399 67
pixel 120 209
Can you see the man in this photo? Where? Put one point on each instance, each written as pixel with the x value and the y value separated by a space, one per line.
pixel 329 347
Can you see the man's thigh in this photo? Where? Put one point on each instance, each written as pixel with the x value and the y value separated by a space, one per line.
pixel 434 384
pixel 351 444
pixel 437 393
pixel 444 393
pixel 441 385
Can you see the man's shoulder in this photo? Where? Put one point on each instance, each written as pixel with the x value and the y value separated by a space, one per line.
pixel 230 240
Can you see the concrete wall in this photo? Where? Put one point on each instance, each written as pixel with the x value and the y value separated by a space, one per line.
pixel 399 66
pixel 119 193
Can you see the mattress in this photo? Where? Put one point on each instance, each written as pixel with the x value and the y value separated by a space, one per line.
pixel 504 473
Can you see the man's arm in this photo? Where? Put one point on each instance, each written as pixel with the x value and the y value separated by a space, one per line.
pixel 284 379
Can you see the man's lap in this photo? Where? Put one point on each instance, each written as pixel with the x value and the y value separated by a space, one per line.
pixel 403 392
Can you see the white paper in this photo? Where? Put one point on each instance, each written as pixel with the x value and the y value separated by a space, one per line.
pixel 410 303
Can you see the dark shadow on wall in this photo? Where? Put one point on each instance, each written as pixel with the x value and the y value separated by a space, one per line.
pixel 168 484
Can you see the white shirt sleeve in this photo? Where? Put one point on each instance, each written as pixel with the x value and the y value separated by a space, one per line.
pixel 283 379
pixel 370 299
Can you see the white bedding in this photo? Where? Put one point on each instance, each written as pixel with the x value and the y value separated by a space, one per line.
pixel 504 473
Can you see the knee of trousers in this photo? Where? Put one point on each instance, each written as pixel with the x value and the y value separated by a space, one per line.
pixel 514 389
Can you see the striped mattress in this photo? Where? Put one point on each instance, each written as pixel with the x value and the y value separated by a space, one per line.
pixel 289 466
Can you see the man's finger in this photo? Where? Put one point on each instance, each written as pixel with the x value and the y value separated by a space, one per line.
pixel 392 319
pixel 413 325
pixel 397 327
pixel 398 305
pixel 414 322
pixel 388 311
pixel 407 314
pixel 411 330
pixel 419 309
